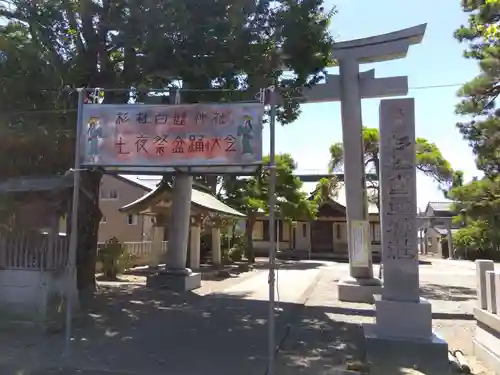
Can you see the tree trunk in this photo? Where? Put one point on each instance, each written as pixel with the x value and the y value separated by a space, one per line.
pixel 249 232
pixel 89 216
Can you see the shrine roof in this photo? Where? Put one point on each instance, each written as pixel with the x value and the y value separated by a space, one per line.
pixel 340 197
pixel 159 192
pixel 36 184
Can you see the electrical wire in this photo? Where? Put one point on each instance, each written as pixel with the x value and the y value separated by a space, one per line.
pixel 40 111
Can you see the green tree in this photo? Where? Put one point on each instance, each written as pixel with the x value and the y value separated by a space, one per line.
pixel 251 196
pixel 327 188
pixel 49 46
pixel 479 204
pixel 430 161
pixel 478 200
pixel 478 96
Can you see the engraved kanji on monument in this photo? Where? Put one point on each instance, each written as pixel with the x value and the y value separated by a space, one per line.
pixel 398 200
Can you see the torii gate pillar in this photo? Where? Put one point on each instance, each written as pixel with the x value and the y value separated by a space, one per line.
pixel 352 86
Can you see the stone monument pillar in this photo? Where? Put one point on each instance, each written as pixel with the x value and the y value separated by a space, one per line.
pixel 216 247
pixel 156 244
pixel 194 242
pixel 403 329
pixel 176 276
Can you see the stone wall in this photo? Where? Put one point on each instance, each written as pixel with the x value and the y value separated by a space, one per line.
pixel 487 314
pixel 31 295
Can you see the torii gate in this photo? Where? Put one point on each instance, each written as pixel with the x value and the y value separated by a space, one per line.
pixel 349 87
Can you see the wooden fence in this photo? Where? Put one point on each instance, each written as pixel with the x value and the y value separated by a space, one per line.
pixel 22 250
pixel 33 251
pixel 141 251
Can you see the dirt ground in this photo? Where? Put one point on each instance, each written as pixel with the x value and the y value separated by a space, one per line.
pixel 132 330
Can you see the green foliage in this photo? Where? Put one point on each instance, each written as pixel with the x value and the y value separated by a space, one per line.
pixel 114 258
pixel 478 96
pixel 430 161
pixel 479 200
pixel 479 204
pixel 327 188
pixel 474 236
pixel 229 44
pixel 251 196
pixel 236 253
pixel 47 47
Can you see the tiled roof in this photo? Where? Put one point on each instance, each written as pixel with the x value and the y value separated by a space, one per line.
pixel 340 196
pixel 198 197
pixel 441 206
pixel 148 182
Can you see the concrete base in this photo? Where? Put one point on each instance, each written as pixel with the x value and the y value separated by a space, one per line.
pixel 487 339
pixel 405 320
pixel 175 282
pixel 490 359
pixel 359 290
pixel 429 355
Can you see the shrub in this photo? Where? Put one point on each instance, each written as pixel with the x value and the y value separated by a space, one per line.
pixel 236 253
pixel 114 258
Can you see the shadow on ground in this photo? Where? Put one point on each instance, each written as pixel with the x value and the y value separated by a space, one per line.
pixel 289 265
pixel 447 292
pixel 132 330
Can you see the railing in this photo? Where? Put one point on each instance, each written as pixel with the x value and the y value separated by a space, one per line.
pixel 32 251
pixel 487 313
pixel 141 251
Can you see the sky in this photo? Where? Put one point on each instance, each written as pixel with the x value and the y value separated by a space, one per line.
pixel 437 61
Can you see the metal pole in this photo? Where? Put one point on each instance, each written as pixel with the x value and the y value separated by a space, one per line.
pixel 73 239
pixel 272 232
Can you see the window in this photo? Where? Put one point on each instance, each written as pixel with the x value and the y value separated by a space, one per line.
pixel 132 219
pixel 339 233
pixel 257 233
pixel 278 230
pixel 103 219
pixel 265 230
pixel 304 230
pixel 110 194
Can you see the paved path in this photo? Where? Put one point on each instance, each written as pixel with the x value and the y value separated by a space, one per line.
pixel 221 329
pixel 292 281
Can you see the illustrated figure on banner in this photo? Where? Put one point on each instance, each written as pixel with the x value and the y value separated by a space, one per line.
pixel 246 133
pixel 94 135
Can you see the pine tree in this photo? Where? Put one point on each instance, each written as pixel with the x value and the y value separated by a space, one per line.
pixel 478 96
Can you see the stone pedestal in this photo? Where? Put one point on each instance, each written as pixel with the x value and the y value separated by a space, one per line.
pixel 178 282
pixel 403 323
pixel 359 290
pixel 430 354
pixel 402 335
